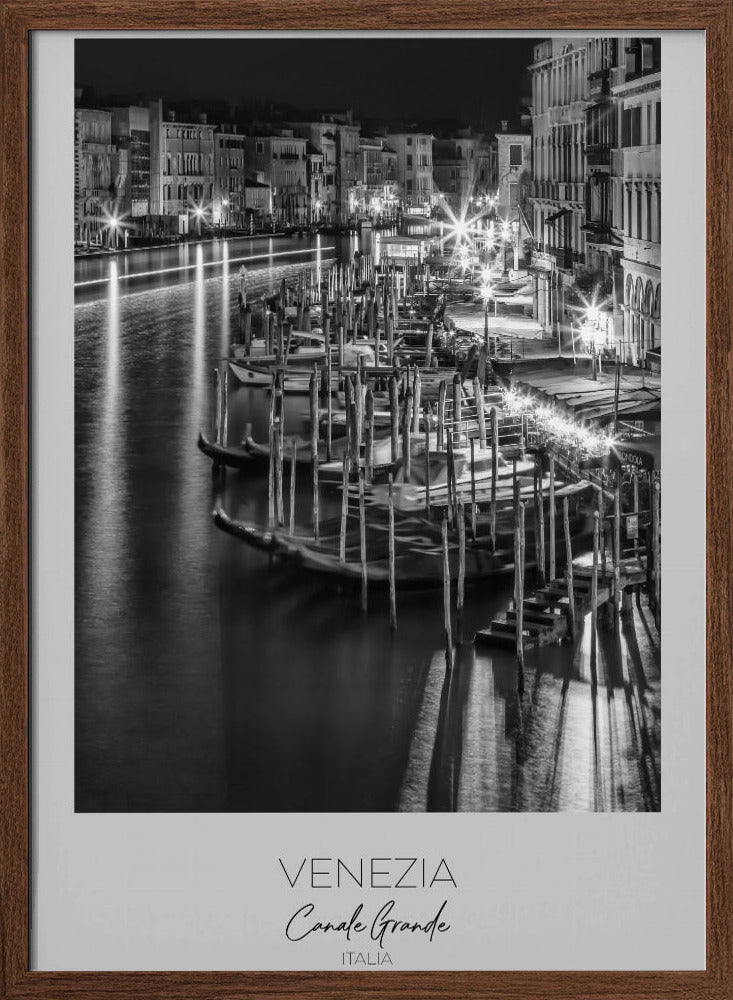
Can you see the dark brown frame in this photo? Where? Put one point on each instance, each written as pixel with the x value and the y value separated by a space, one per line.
pixel 19 18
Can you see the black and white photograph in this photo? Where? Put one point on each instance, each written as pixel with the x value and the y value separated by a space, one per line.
pixel 367 424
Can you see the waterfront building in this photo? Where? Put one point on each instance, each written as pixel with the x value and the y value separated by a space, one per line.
pixel 131 165
pixel 464 171
pixel 322 137
pixel 514 167
pixel 637 201
pixel 257 201
pixel 94 193
pixel 281 159
pixel 181 170
pixel 413 168
pixel 375 193
pixel 229 209
pixel 599 284
pixel 314 174
pixel 347 146
pixel 557 194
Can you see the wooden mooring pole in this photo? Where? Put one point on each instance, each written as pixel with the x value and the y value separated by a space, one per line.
pixel 344 506
pixel 426 417
pixel 553 567
pixel 329 405
pixel 392 588
pixel 406 430
pixel 594 601
pixel 617 547
pixel 217 403
pixel 446 599
pixel 442 392
pixel 657 543
pixel 473 489
pixel 460 515
pixel 519 595
pixel 369 433
pixel 293 463
pixel 394 417
pixel 362 542
pixel 494 473
pixel 569 567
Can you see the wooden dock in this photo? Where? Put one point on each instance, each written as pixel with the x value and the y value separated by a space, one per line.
pixel 546 612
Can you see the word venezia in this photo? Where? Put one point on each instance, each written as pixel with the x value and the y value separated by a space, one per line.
pixel 301 925
pixel 370 873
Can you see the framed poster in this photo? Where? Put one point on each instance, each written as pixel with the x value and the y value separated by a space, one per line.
pixel 396 710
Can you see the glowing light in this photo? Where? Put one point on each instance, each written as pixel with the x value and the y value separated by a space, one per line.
pixel 551 425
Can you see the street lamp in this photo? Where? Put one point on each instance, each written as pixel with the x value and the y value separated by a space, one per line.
pixel 198 213
pixel 594 337
pixel 486 291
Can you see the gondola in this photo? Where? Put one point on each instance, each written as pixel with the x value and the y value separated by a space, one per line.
pixel 418 545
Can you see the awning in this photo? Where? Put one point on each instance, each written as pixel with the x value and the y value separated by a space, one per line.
pixel 643 453
pixel 558 215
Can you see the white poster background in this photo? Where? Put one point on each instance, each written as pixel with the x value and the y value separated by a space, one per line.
pixel 183 891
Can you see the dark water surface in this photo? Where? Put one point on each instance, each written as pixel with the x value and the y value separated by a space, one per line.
pixel 208 680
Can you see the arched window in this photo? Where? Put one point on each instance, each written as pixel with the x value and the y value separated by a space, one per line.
pixel 649 300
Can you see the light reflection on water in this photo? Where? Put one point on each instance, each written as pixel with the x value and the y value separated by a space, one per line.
pixel 209 680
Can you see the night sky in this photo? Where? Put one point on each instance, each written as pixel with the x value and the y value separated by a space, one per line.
pixel 471 81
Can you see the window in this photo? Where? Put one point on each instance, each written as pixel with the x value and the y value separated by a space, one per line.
pixel 409 160
pixel 631 127
pixel 515 155
pixel 513 195
pixel 409 140
pixel 659 121
pixel 409 187
pixel 260 147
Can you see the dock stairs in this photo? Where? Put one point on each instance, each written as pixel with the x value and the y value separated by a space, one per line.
pixel 545 613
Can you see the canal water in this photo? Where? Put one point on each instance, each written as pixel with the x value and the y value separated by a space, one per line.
pixel 209 680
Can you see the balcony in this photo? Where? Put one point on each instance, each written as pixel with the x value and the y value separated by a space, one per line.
pixel 599 84
pixel 598 155
pixel 568 114
pixel 568 192
pixel 639 162
pixel 641 251
pixel 563 258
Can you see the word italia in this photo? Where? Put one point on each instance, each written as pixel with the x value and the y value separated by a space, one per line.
pixel 370 873
pixel 359 958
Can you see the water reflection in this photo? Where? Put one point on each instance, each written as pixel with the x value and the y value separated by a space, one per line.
pixel 207 679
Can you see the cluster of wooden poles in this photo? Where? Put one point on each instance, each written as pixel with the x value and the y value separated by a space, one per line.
pixel 344 315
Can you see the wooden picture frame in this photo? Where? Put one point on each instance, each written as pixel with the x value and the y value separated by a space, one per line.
pixel 21 17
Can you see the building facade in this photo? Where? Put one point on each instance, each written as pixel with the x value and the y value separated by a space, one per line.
pixel 257 202
pixel 414 169
pixel 322 137
pixel 376 193
pixel 281 159
pixel 464 171
pixel 131 164
pixel 514 168
pixel 229 209
pixel 637 193
pixel 181 170
pixel 603 248
pixel 557 195
pixel 94 193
